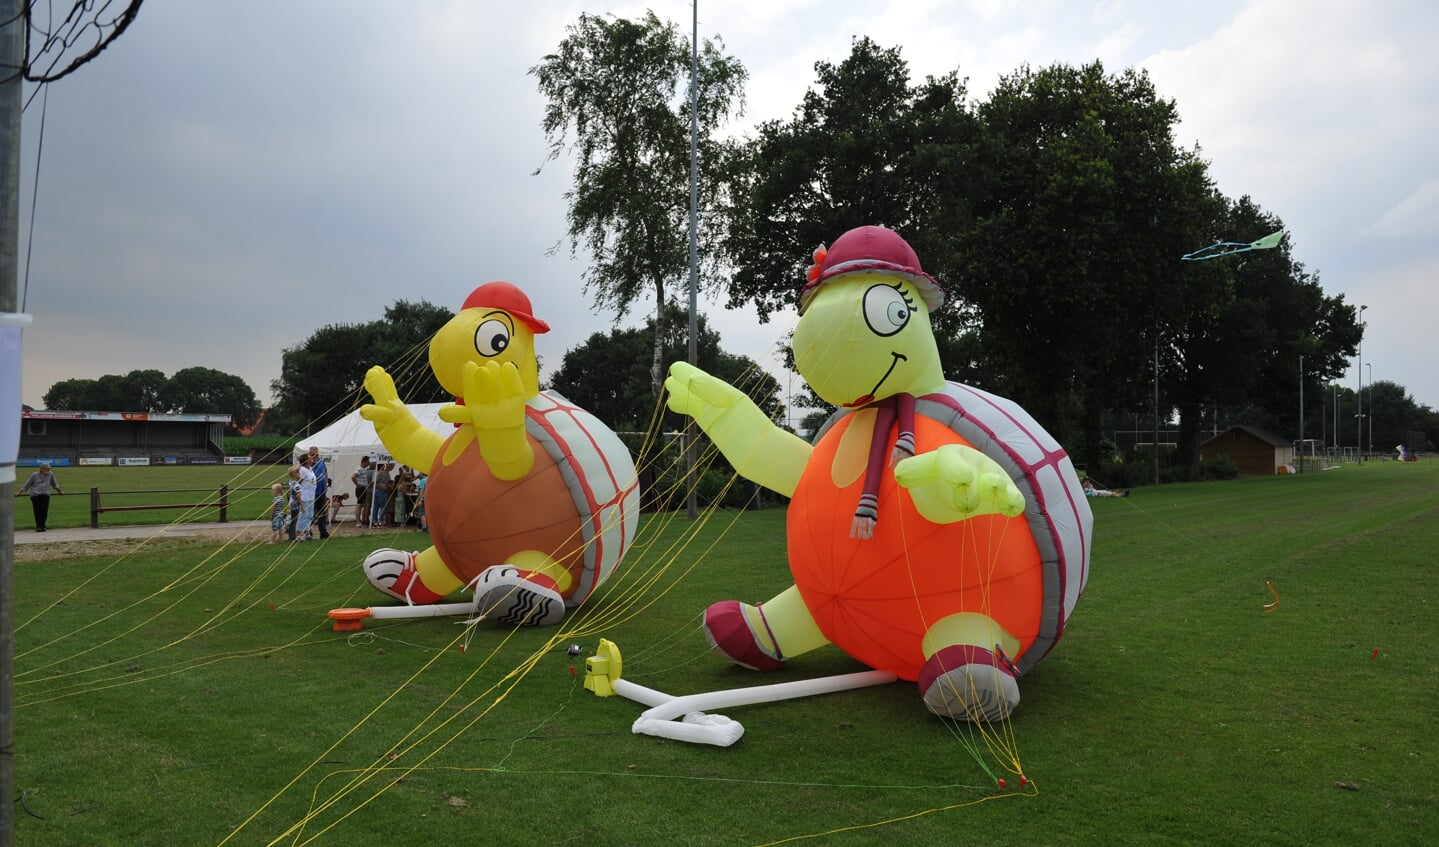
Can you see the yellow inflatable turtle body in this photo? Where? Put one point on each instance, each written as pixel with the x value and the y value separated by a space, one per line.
pixel 532 501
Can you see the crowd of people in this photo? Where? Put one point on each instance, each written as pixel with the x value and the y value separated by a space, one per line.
pixel 302 507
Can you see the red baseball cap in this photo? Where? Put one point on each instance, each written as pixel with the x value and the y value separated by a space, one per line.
pixel 507 296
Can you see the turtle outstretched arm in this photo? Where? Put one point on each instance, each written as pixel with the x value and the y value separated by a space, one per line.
pixel 408 440
pixel 758 449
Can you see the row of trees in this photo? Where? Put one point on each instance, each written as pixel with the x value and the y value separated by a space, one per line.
pixel 190 391
pixel 1055 212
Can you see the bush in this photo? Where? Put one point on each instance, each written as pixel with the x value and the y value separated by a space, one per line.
pixel 242 445
pixel 1218 467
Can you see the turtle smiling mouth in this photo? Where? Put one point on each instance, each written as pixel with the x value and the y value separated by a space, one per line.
pixel 869 398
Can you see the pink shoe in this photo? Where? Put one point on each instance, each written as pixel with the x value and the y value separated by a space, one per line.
pixel 968 683
pixel 393 573
pixel 729 634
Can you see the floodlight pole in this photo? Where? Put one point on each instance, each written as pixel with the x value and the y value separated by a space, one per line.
pixel 1370 366
pixel 1156 411
pixel 691 431
pixel 1359 395
pixel 12 63
pixel 1300 465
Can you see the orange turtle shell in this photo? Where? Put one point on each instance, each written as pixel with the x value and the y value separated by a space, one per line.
pixel 579 504
pixel 876 598
pixel 477 521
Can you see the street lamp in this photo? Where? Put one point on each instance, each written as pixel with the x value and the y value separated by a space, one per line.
pixel 1359 395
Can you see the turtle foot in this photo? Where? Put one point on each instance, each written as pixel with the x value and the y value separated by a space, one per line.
pixel 729 632
pixel 968 683
pixel 511 596
pixel 393 572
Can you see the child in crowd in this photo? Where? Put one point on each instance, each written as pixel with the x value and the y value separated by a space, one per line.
pixel 279 511
pixel 293 498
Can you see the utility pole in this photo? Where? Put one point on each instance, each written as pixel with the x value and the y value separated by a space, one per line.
pixel 12 72
pixel 1300 465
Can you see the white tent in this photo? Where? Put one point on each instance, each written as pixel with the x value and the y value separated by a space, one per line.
pixel 345 441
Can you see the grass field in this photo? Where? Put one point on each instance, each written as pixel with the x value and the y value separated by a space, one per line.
pixel 248 497
pixel 193 694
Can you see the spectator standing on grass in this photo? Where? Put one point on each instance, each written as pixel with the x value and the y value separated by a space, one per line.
pixel 363 479
pixel 292 497
pixel 279 511
pixel 404 495
pixel 322 491
pixel 420 500
pixel 39 486
pixel 380 494
pixel 303 523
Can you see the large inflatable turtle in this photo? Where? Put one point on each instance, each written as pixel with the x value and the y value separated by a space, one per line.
pixel 935 530
pixel 532 501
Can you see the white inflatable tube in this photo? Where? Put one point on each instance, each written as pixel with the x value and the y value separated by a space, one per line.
pixel 429 610
pixel 698 727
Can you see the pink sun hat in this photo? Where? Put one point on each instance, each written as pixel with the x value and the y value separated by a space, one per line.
pixel 870 248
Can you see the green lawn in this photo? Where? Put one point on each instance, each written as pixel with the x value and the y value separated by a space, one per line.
pixel 248 497
pixel 192 695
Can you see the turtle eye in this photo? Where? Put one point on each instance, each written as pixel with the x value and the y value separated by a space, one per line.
pixel 492 338
pixel 886 309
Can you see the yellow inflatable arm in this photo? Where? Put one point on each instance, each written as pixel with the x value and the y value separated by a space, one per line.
pixel 495 398
pixel 957 482
pixel 408 440
pixel 758 449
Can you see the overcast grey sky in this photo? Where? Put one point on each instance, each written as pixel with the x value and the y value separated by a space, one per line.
pixel 229 176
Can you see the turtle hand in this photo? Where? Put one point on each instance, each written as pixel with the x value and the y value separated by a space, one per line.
pixel 388 407
pixel 690 391
pixel 495 402
pixel 957 482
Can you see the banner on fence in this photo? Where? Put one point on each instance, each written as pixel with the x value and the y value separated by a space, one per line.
pixel 237 460
pixel 132 461
pixel 35 461
pixel 204 460
pixel 97 460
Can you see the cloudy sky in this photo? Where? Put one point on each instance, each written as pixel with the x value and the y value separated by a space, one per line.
pixel 229 176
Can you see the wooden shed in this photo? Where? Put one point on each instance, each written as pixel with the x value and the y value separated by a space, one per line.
pixel 1256 452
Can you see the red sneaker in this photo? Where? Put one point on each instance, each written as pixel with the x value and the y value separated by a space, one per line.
pixel 393 572
pixel 729 634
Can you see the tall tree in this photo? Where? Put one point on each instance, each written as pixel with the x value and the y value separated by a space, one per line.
pixel 323 375
pixel 144 390
pixel 619 99
pixel 1084 207
pixel 1239 325
pixel 606 375
pixel 201 390
pixel 864 147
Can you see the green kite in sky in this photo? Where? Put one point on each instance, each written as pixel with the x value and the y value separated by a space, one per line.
pixel 1224 248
